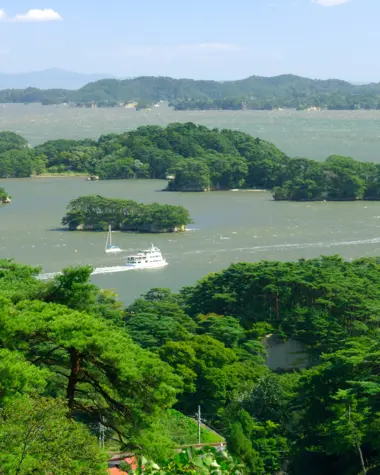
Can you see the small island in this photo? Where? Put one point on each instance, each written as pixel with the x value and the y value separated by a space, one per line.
pixel 96 213
pixel 4 197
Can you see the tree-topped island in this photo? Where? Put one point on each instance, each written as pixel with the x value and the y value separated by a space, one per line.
pixel 96 213
pixel 4 197
pixel 195 159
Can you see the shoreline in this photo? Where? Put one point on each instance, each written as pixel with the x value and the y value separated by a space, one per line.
pixel 60 175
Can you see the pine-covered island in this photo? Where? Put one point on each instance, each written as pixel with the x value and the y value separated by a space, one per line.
pixel 96 213
pixel 4 197
pixel 196 159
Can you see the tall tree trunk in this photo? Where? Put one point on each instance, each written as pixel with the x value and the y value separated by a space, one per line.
pixel 358 448
pixel 364 470
pixel 73 379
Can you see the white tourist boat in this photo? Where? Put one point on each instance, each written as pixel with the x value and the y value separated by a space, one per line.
pixel 148 259
pixel 109 247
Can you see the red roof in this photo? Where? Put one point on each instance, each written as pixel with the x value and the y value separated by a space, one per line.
pixel 131 461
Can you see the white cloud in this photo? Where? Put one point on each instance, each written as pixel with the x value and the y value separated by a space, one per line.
pixel 211 47
pixel 35 15
pixel 219 47
pixel 330 3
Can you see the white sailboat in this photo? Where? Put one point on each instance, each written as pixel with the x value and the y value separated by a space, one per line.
pixel 109 247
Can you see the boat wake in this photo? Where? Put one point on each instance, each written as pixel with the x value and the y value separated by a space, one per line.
pixel 280 247
pixel 109 270
pixel 96 271
pixel 148 259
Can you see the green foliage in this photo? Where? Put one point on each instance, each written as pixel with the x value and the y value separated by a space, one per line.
pixel 114 167
pixel 199 158
pixel 206 461
pixel 97 213
pixel 338 178
pixel 64 338
pixel 19 377
pixel 72 288
pixel 97 367
pixel 18 282
pixel 17 164
pixel 37 437
pixel 3 195
pixel 225 329
pixel 17 159
pixel 69 155
pixel 340 418
pixel 157 318
pixel 259 445
pixel 191 175
pixel 218 361
pixel 318 301
pixel 11 141
pixel 325 419
pixel 184 430
pixel 69 350
pixel 267 400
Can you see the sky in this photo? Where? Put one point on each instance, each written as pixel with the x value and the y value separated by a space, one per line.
pixel 200 39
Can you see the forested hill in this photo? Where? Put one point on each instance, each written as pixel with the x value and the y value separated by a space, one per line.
pixel 254 92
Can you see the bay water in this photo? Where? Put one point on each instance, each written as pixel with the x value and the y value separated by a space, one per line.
pixel 228 226
pixel 312 134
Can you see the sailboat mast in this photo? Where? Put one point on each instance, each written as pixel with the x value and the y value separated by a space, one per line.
pixel 110 232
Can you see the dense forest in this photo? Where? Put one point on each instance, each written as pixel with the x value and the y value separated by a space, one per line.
pixel 72 357
pixel 96 213
pixel 195 158
pixel 255 92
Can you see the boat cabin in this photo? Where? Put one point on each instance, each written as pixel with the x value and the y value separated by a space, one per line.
pixel 138 259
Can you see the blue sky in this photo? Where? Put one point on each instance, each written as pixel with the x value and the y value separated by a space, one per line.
pixel 202 39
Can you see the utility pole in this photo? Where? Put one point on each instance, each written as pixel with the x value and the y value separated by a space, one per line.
pixel 101 434
pixel 199 424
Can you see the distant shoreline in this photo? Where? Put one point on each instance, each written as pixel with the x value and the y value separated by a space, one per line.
pixel 284 91
pixel 61 175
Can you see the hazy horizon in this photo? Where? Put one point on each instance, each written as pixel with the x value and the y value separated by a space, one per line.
pixel 200 40
pixel 110 75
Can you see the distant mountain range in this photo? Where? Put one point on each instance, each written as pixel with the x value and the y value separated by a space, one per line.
pixel 48 79
pixel 255 92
